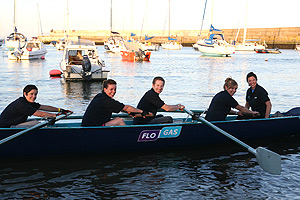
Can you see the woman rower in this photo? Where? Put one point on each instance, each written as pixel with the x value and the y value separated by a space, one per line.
pixel 17 112
pixel 257 98
pixel 222 103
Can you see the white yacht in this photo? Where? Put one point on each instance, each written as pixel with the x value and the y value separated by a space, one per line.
pixel 81 62
pixel 215 46
pixel 114 44
pixel 33 49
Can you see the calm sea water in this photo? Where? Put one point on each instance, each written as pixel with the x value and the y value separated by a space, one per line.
pixel 215 173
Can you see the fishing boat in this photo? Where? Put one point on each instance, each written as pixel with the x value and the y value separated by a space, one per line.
pixel 33 49
pixel 297 47
pixel 135 52
pixel 275 51
pixel 81 62
pixel 67 137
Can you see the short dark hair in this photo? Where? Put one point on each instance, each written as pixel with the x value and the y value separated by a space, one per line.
pixel 108 82
pixel 251 74
pixel 28 88
pixel 158 78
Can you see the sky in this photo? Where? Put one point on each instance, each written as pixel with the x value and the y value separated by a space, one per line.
pixel 144 14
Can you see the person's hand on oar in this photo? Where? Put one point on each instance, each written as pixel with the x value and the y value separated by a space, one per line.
pixel 254 114
pixel 38 126
pixel 144 114
pixel 63 111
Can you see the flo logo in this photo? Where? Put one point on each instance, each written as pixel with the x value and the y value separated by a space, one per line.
pixel 166 132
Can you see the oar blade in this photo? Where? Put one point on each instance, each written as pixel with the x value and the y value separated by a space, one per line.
pixel 268 160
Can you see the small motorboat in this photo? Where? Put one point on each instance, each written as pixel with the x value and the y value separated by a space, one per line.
pixel 81 62
pixel 135 52
pixel 275 51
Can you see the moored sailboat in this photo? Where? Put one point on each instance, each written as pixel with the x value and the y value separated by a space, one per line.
pixel 172 43
pixel 33 49
pixel 215 45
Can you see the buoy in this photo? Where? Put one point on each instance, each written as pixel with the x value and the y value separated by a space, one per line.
pixel 55 73
pixel 266 59
pixel 43 57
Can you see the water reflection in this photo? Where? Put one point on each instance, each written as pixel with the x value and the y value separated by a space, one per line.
pixel 81 90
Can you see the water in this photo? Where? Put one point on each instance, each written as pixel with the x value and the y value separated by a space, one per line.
pixel 226 172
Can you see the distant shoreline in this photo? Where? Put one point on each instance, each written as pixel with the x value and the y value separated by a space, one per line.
pixel 282 37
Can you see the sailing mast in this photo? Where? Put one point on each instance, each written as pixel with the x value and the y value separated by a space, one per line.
pixel 203 18
pixel 245 28
pixel 39 20
pixel 111 18
pixel 169 18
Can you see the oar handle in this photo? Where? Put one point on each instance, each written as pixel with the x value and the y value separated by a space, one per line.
pixel 40 125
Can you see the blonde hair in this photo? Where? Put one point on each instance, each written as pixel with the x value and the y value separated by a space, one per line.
pixel 229 83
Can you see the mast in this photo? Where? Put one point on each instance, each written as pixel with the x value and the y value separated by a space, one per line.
pixel 111 18
pixel 203 18
pixel 68 20
pixel 245 28
pixel 15 18
pixel 39 20
pixel 169 18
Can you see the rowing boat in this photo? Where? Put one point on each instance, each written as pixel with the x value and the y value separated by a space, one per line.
pixel 67 137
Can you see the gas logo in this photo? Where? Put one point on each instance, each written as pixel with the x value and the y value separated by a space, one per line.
pixel 166 132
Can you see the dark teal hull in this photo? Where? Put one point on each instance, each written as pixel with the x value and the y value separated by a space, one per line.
pixel 71 139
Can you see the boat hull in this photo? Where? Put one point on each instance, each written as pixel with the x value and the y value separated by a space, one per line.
pixel 28 55
pixel 212 50
pixel 131 56
pixel 171 46
pixel 274 51
pixel 71 139
pixel 249 47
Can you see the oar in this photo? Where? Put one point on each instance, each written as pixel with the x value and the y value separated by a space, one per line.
pixel 267 160
pixel 40 125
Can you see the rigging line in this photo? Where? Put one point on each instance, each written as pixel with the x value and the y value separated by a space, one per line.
pixel 203 18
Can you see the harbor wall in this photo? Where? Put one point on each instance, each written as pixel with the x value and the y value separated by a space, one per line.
pixel 282 37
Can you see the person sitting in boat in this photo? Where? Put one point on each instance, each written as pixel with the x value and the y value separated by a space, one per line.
pixel 17 112
pixel 222 103
pixel 151 102
pixel 257 98
pixel 77 60
pixel 99 111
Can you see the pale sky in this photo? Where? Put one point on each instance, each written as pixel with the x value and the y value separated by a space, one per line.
pixel 130 14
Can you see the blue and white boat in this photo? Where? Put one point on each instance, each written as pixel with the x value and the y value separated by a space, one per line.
pixel 215 45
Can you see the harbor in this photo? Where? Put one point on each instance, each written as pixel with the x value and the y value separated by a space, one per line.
pixel 149 100
pixel 281 37
pixel 203 172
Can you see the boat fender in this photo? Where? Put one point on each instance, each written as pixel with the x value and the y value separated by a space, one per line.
pixel 55 73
